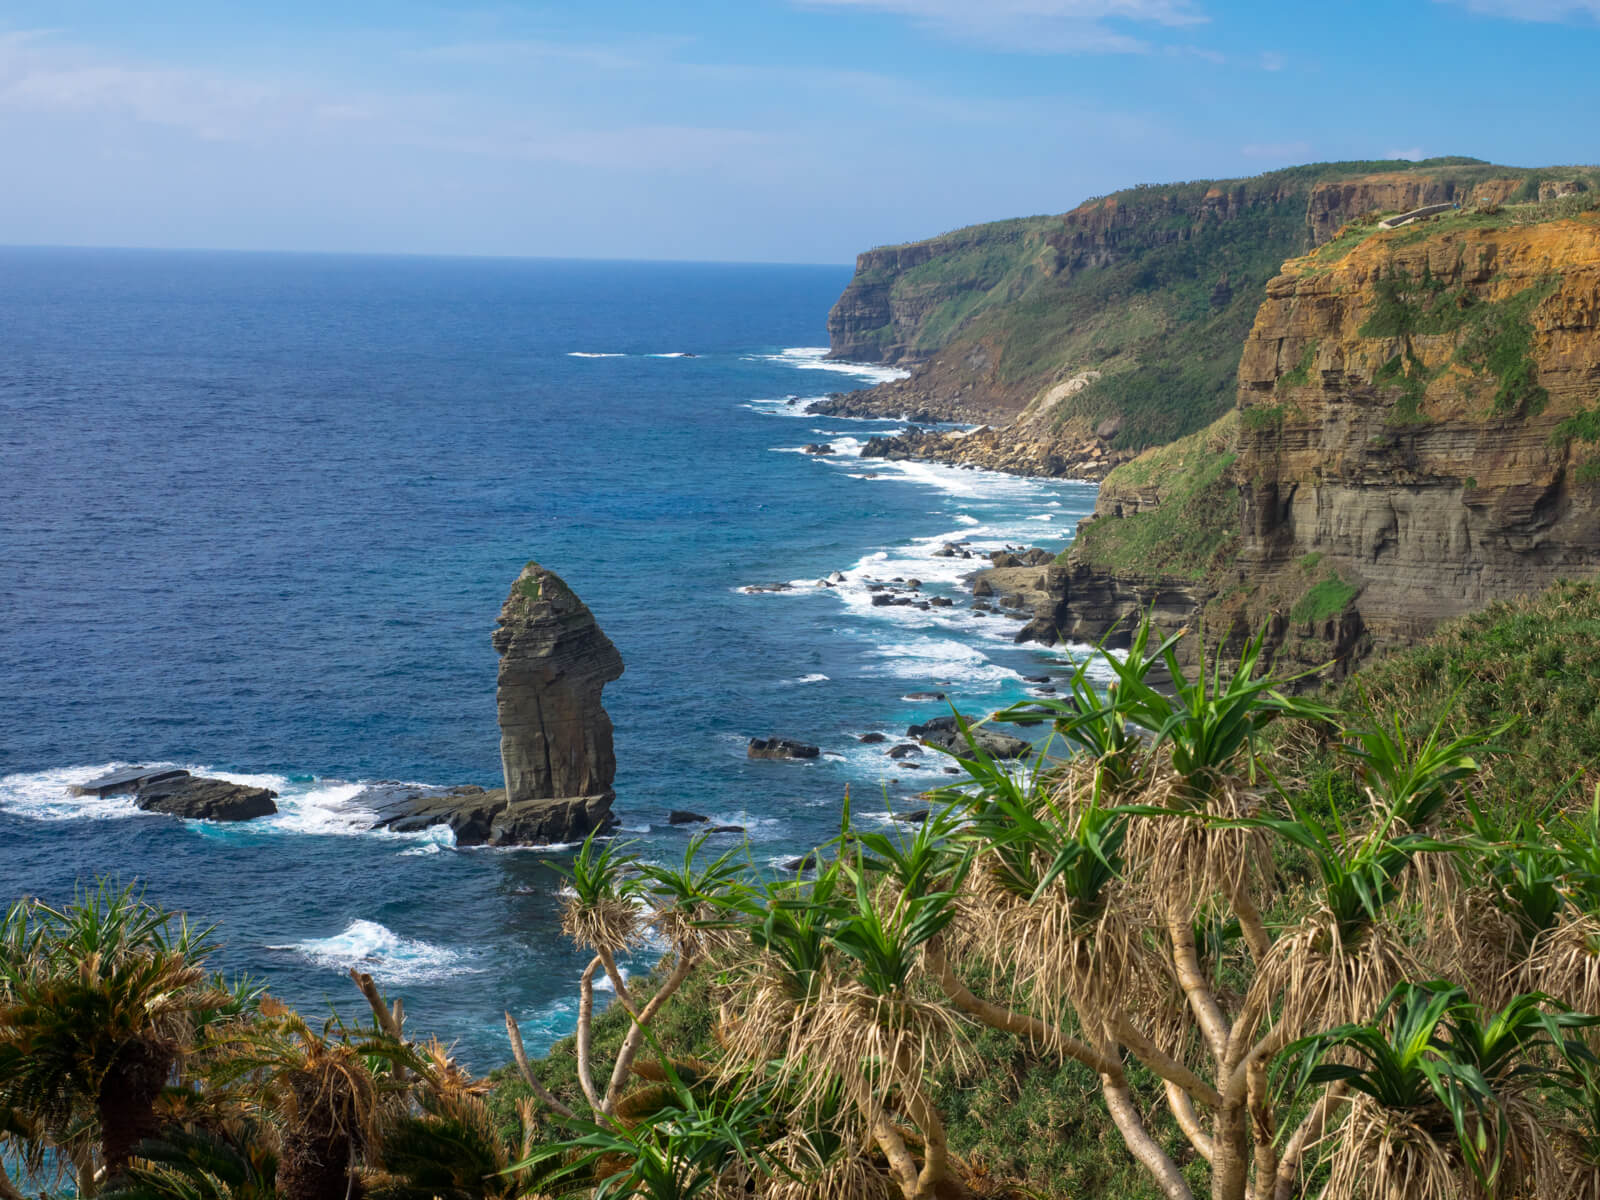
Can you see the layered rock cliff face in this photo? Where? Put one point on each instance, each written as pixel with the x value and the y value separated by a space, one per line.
pixel 555 738
pixel 1418 434
pixel 1148 294
pixel 1409 417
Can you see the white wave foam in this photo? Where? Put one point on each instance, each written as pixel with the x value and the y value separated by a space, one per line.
pixel 593 354
pixel 671 354
pixel 44 795
pixel 815 358
pixel 382 953
pixel 1043 517
pixel 938 659
pixel 811 679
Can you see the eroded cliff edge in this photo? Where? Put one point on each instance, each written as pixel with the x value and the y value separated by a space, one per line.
pixel 1417 433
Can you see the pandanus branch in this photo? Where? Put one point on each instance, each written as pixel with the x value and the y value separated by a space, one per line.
pixel 1307 1134
pixel 630 1044
pixel 1004 1019
pixel 586 1034
pixel 525 1069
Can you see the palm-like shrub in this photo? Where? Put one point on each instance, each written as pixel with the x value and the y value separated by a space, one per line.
pixel 99 1002
pixel 328 1092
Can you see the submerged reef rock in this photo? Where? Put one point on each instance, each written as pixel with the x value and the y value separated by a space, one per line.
pixel 555 738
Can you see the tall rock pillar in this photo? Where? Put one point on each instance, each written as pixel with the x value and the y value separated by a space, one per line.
pixel 555 738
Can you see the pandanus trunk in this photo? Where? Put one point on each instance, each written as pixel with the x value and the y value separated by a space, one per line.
pixel 317 1146
pixel 127 1103
pixel 315 1165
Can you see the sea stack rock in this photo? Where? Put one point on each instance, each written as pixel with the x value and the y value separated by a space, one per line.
pixel 555 738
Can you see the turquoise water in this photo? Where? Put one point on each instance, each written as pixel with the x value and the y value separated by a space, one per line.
pixel 260 513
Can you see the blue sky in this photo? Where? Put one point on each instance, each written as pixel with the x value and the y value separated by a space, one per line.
pixel 768 130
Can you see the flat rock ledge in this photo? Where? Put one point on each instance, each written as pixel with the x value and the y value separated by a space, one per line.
pixel 179 793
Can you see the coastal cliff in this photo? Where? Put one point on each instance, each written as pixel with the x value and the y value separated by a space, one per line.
pixel 1417 434
pixel 1081 339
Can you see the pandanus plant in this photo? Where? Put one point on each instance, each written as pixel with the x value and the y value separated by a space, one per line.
pixel 1442 1093
pixel 328 1090
pixel 99 1002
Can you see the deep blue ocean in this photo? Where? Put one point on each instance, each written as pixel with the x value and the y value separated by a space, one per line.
pixel 258 514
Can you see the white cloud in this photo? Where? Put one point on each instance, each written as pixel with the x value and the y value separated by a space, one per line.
pixel 1534 10
pixel 1271 60
pixel 41 75
pixel 1035 26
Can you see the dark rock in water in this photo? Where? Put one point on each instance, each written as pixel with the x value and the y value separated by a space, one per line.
pixel 923 696
pixel 121 783
pixel 1040 629
pixel 877 587
pixel 913 584
pixel 770 587
pixel 903 601
pixel 905 750
pixel 909 766
pixel 725 829
pixel 872 739
pixel 924 605
pixel 680 816
pixel 780 748
pixel 882 599
pixel 818 448
pixel 791 399
pixel 555 738
pixel 205 799
pixel 469 811
pixel 1037 557
pixel 944 733
pixel 808 863
pixel 980 611
pixel 941 602
pixel 1002 558
pixel 982 587
pixel 1036 679
pixel 952 770
pixel 915 817
pixel 1046 690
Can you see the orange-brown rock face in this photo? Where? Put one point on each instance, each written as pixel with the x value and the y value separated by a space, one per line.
pixel 1406 425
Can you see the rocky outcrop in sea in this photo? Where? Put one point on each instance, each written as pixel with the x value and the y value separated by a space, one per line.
pixel 555 738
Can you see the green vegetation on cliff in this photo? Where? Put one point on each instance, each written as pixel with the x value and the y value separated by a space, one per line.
pixel 1192 516
pixel 1535 660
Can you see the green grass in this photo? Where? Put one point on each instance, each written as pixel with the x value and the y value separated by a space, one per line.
pixel 1325 598
pixel 1536 659
pixel 1495 339
pixel 1301 374
pixel 1196 521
